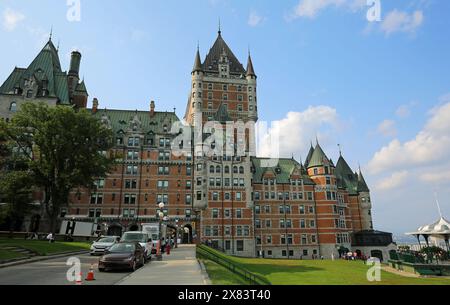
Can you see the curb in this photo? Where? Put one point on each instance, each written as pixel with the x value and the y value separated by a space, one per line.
pixel 41 258
pixel 206 278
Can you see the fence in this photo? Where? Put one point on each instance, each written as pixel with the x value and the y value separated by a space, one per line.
pixel 205 252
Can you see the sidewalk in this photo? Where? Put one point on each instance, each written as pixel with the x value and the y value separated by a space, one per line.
pixel 179 268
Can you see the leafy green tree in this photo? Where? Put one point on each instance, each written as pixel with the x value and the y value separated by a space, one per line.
pixel 65 149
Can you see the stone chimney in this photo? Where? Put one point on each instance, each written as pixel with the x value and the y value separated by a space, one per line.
pixel 95 105
pixel 152 108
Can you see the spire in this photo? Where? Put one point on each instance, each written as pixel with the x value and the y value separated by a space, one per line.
pixel 198 62
pixel 362 185
pixel 250 70
pixel 220 28
pixel 340 150
pixel 51 34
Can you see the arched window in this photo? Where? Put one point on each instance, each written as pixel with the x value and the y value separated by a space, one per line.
pixel 218 169
pixel 211 169
pixel 227 169
pixel 241 170
pixel 235 170
pixel 13 107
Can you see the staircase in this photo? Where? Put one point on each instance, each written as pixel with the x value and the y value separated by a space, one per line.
pixel 25 253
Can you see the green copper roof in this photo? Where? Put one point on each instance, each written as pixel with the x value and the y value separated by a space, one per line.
pixel 318 158
pixel 309 156
pixel 123 120
pixel 362 185
pixel 348 179
pixel 283 170
pixel 45 68
pixel 81 88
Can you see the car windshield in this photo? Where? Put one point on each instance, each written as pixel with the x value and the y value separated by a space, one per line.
pixel 106 240
pixel 138 237
pixel 122 248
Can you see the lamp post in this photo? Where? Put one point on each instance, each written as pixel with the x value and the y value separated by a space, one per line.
pixel 160 216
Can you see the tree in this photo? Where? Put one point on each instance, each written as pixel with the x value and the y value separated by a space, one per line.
pixel 65 149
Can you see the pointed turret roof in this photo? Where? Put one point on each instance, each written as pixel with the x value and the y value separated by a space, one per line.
pixel 318 158
pixel 349 179
pixel 213 58
pixel 198 62
pixel 250 70
pixel 82 88
pixel 309 156
pixel 362 185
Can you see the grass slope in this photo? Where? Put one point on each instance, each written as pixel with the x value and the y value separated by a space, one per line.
pixel 44 247
pixel 308 272
pixel 222 276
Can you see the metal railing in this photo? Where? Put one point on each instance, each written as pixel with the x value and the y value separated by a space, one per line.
pixel 205 252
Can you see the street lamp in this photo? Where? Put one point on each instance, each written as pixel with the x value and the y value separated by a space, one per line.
pixel 160 216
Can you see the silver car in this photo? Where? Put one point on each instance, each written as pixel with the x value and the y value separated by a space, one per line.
pixel 103 243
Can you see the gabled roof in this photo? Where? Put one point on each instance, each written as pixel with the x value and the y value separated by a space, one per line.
pixel 282 171
pixel 318 158
pixel 211 63
pixel 346 176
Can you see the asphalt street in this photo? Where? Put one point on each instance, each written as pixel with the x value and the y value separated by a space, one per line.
pixel 53 272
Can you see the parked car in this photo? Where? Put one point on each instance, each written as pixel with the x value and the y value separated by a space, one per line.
pixel 103 243
pixel 123 255
pixel 143 238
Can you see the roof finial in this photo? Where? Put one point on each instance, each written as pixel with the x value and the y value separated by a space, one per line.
pixel 220 27
pixel 57 48
pixel 340 149
pixel 438 205
pixel 51 33
pixel 317 139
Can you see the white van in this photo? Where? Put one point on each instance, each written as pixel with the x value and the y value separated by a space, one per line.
pixel 143 238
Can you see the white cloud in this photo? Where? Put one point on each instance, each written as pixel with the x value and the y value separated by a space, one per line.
pixel 297 130
pixel 430 146
pixel 396 180
pixel 387 128
pixel 11 19
pixel 398 21
pixel 255 19
pixel 311 8
pixel 433 176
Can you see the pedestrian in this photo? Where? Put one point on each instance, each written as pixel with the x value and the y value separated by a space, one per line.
pixel 50 238
pixel 322 258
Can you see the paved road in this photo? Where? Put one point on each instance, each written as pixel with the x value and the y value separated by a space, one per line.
pixel 53 272
pixel 179 268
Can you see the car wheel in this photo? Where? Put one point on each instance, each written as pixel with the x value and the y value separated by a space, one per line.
pixel 134 266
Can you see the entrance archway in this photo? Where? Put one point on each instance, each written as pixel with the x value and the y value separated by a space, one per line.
pixel 377 253
pixel 187 234
pixel 134 228
pixel 115 230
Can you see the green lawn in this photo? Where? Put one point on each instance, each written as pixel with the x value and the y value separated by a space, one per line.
pixel 222 276
pixel 44 247
pixel 306 272
pixel 7 255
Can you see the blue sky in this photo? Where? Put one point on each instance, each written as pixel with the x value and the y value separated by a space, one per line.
pixel 379 89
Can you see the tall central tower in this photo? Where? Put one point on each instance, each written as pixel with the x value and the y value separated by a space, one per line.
pixel 224 92
pixel 221 87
